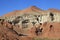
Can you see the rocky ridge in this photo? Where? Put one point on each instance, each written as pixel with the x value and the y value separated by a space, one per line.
pixel 29 23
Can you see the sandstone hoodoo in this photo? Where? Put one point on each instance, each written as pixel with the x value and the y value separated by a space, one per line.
pixel 32 22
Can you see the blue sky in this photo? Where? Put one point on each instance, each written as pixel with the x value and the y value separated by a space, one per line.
pixel 11 5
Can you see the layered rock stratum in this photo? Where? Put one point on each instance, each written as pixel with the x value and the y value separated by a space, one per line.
pixel 29 23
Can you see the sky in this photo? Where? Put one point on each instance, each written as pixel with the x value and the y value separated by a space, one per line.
pixel 7 6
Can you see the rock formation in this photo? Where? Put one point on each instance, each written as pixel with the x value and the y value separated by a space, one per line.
pixel 31 22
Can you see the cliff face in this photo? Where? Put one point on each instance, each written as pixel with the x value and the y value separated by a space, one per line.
pixel 32 22
pixel 34 12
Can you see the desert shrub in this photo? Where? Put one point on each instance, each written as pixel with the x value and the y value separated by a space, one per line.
pixel 36 39
pixel 44 39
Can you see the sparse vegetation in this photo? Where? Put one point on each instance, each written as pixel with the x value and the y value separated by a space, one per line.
pixel 44 39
